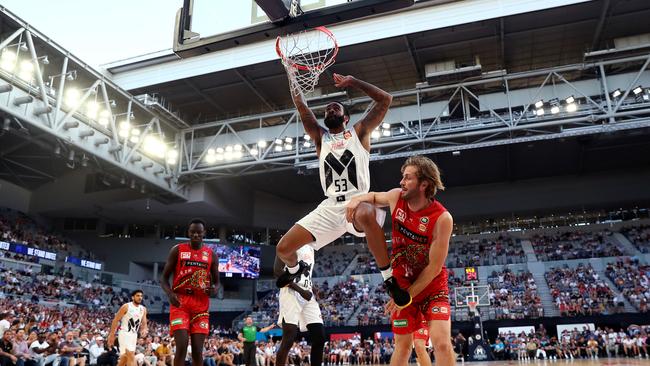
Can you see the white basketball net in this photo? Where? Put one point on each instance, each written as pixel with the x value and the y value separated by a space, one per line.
pixel 305 55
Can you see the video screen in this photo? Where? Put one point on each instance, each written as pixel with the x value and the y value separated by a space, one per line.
pixel 238 261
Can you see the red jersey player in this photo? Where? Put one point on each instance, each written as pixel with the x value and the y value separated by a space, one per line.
pixel 196 274
pixel 421 231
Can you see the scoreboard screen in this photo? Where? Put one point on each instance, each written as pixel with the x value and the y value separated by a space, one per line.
pixel 471 274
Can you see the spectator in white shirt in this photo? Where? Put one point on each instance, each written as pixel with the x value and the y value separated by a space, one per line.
pixel 96 350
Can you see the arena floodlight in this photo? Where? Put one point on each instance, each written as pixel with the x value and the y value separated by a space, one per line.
pixel 237 147
pixel 307 137
pixel 219 157
pixel 238 154
pixel 571 107
pixel 386 133
pixel 220 150
pixel 228 155
pixel 44 60
pixel 306 144
pixel 262 144
pixel 288 140
pixel 134 139
pixel 540 112
pixel 172 156
pixel 555 109
pixel 385 125
pixel 8 60
pixel 278 148
pixel 103 119
pixel 211 151
pixel 211 158
pixel 617 93
pixel 229 148
pixel 92 108
pixel 72 97
pixel 570 100
pixel 539 104
pixel 638 90
pixel 401 130
pixel 375 134
pixel 288 147
pixel 254 151
pixel 278 141
pixel 26 71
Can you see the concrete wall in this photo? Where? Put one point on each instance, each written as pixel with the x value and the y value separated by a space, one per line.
pixel 14 197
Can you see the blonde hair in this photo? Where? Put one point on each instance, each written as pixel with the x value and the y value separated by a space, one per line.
pixel 427 171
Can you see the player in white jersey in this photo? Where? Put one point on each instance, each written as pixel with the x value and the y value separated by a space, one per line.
pixel 344 157
pixel 299 310
pixel 132 319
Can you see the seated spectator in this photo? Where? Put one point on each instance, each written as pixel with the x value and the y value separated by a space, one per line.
pixel 576 245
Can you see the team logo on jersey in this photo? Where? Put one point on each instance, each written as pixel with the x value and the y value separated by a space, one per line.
pixel 347 135
pixel 203 325
pixel 333 165
pixel 178 321
pixel 400 323
pixel 133 325
pixel 435 309
pixel 186 255
pixel 205 256
pixel 422 228
pixel 400 215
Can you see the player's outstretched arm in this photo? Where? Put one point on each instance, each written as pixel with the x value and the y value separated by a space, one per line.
pixel 111 333
pixel 166 276
pixel 379 199
pixel 437 254
pixel 309 121
pixel 266 329
pixel 374 117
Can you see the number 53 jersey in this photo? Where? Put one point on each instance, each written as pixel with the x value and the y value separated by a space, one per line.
pixel 343 165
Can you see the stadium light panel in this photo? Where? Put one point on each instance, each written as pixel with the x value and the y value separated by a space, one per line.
pixel 237 147
pixel 386 133
pixel 617 93
pixel 278 148
pixel 570 100
pixel 306 144
pixel 254 151
pixel 288 140
pixel 229 148
pixel 385 125
pixel 26 71
pixel 375 134
pixel 278 141
pixel 555 110
pixel 540 112
pixel 572 107
pixel 220 150
pixel 539 104
pixel 72 97
pixel 288 147
pixel 8 60
pixel 307 137
pixel 262 144
pixel 638 90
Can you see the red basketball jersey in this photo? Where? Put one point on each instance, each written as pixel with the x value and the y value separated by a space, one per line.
pixel 192 268
pixel 412 237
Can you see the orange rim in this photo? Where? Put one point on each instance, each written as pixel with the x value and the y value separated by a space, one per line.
pixel 304 67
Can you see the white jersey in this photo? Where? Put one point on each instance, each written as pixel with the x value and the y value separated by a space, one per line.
pixel 130 322
pixel 344 165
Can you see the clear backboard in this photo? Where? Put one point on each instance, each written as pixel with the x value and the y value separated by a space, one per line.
pixel 204 26
pixel 479 294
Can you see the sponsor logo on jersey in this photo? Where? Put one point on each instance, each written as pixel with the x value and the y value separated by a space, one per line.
pixel 444 309
pixel 424 220
pixel 412 236
pixel 435 309
pixel 186 255
pixel 203 325
pixel 205 256
pixel 196 264
pixel 400 215
pixel 347 135
pixel 400 323
pixel 422 228
pixel 177 322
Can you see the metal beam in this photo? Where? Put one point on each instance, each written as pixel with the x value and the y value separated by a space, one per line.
pixel 252 87
pixel 31 169
pixel 599 27
pixel 205 97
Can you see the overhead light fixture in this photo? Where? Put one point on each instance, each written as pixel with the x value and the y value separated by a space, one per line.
pixel 172 156
pixel 6 125
pixel 72 97
pixel 555 110
pixel 238 154
pixel 638 90
pixel 44 60
pixel 92 108
pixel 71 75
pixel 254 151
pixel 104 118
pixel 8 60
pixel 288 147
pixel 306 137
pixel 219 150
pixel 375 134
pixel 571 107
pixel 278 141
pixel 278 148
pixel 84 161
pixel 555 106
pixel 386 133
pixel 540 112
pixel 237 147
pixel 211 158
pixel 401 130
pixel 570 100
pixel 71 155
pixel 306 144
pixel 288 140
pixel 26 71
pixel 262 144
pixel 539 104
pixel 229 148
pixel 385 125
pixel 617 93
pixel 134 139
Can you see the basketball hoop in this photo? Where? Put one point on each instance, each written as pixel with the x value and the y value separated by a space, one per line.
pixel 305 55
pixel 472 306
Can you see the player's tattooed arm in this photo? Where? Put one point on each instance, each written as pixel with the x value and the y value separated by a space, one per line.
pixel 437 254
pixel 309 121
pixel 374 117
pixel 170 266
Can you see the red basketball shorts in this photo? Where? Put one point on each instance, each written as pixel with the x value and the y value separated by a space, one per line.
pixel 192 315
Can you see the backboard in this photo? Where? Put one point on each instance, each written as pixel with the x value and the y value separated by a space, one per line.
pixel 204 26
pixel 479 294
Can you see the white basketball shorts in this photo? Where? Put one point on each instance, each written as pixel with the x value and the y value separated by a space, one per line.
pixel 327 222
pixel 294 309
pixel 127 341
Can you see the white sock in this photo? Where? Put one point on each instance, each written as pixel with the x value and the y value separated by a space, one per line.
pixel 293 269
pixel 387 273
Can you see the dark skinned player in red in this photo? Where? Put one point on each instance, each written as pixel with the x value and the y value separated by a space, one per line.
pixel 195 268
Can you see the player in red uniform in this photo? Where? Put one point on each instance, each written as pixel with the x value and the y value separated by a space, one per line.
pixel 421 231
pixel 420 342
pixel 196 274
